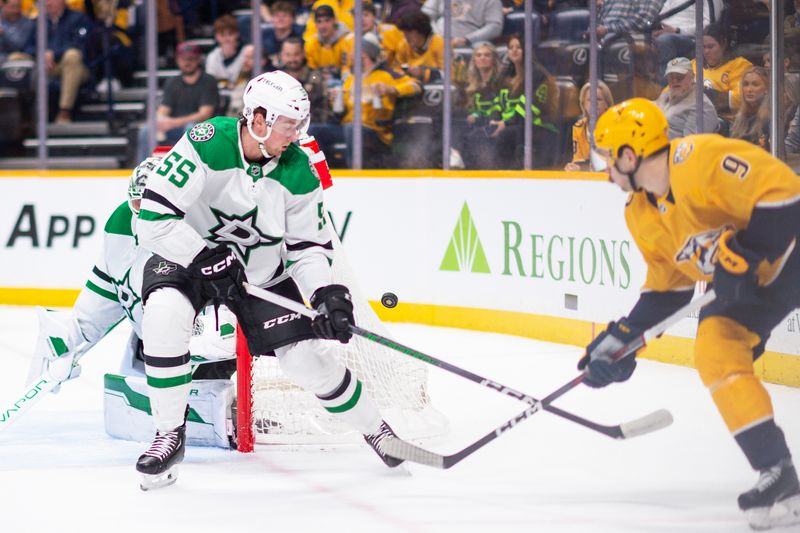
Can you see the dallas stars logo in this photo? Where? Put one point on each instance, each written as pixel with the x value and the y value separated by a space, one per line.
pixel 201 132
pixel 241 231
pixel 126 295
pixel 164 268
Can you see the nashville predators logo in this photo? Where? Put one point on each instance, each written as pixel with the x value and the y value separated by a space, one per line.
pixel 701 250
pixel 682 152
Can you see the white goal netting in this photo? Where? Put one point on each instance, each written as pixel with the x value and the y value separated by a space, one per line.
pixel 284 413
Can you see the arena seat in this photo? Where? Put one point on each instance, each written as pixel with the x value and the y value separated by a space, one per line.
pixel 514 22
pixel 562 58
pixel 569 25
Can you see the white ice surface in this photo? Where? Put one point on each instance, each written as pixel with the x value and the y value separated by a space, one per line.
pixel 59 471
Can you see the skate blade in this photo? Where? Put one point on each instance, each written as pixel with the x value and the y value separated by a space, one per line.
pixel 159 481
pixel 783 513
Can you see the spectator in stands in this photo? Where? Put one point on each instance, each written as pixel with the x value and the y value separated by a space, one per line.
pixel 326 50
pixel 171 30
pixel 293 62
pixel 793 20
pixel 283 27
pixel 481 98
pixel 342 12
pixel 791 86
pixel 626 17
pixel 752 120
pixel 380 90
pixel 721 71
pixel 509 135
pixel 109 21
pixel 235 103
pixel 66 33
pixel 474 21
pixel 267 8
pixel 675 36
pixel 421 53
pixel 226 60
pixel 188 98
pixel 17 33
pixel 396 9
pixel 678 102
pixel 581 146
pixel 388 35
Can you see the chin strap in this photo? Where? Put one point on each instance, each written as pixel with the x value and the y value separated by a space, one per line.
pixel 261 140
pixel 630 174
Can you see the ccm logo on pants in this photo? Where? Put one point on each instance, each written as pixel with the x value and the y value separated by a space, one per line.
pixel 219 267
pixel 281 320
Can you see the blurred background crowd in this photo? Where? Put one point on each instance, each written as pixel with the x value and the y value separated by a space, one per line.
pixel 96 56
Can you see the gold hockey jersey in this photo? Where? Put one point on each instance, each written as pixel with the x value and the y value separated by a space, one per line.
pixel 715 184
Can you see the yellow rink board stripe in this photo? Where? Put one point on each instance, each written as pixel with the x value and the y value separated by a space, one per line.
pixel 774 367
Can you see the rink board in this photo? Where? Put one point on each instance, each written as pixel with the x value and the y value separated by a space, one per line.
pixel 544 255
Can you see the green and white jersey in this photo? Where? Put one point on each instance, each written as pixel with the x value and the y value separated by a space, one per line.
pixel 206 193
pixel 114 289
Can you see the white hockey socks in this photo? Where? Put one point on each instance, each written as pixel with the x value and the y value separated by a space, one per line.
pixel 311 365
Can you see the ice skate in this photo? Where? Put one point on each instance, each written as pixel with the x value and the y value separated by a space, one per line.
pixel 375 441
pixel 159 464
pixel 775 500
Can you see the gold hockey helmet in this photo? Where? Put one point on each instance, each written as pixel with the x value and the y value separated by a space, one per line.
pixel 638 123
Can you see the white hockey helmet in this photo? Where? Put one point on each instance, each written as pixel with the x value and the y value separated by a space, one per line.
pixel 280 95
pixel 138 180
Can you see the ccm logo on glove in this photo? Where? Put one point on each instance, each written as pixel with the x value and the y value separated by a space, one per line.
pixel 219 267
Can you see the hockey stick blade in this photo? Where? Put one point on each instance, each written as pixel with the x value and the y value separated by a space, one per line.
pixel 405 450
pixel 646 424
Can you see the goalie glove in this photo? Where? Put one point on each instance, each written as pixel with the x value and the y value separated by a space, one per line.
pixel 335 308
pixel 735 277
pixel 59 347
pixel 598 361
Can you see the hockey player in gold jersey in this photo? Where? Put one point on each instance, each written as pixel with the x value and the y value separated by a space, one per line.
pixel 707 208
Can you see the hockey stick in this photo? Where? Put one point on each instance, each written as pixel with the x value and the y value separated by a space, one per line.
pixel 36 390
pixel 404 450
pixel 656 420
pixel 9 413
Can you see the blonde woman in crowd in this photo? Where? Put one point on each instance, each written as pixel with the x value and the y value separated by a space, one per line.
pixel 752 120
pixel 580 131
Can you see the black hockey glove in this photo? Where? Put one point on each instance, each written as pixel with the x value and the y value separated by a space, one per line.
pixel 220 272
pixel 735 273
pixel 602 369
pixel 336 313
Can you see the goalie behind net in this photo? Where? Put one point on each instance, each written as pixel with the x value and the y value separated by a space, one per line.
pixel 283 413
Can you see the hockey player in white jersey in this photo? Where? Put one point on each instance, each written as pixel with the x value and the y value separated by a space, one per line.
pixel 112 293
pixel 227 202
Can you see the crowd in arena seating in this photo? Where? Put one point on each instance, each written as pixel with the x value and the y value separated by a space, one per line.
pixel 647 50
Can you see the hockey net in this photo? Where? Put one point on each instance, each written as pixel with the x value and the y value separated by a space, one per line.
pixel 272 410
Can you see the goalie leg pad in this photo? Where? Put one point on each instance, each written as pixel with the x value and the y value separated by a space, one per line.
pixel 312 365
pixel 126 407
pixel 166 329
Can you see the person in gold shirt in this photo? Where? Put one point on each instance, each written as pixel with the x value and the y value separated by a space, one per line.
pixel 342 11
pixel 707 208
pixel 421 53
pixel 388 35
pixel 380 89
pixel 721 71
pixel 326 49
